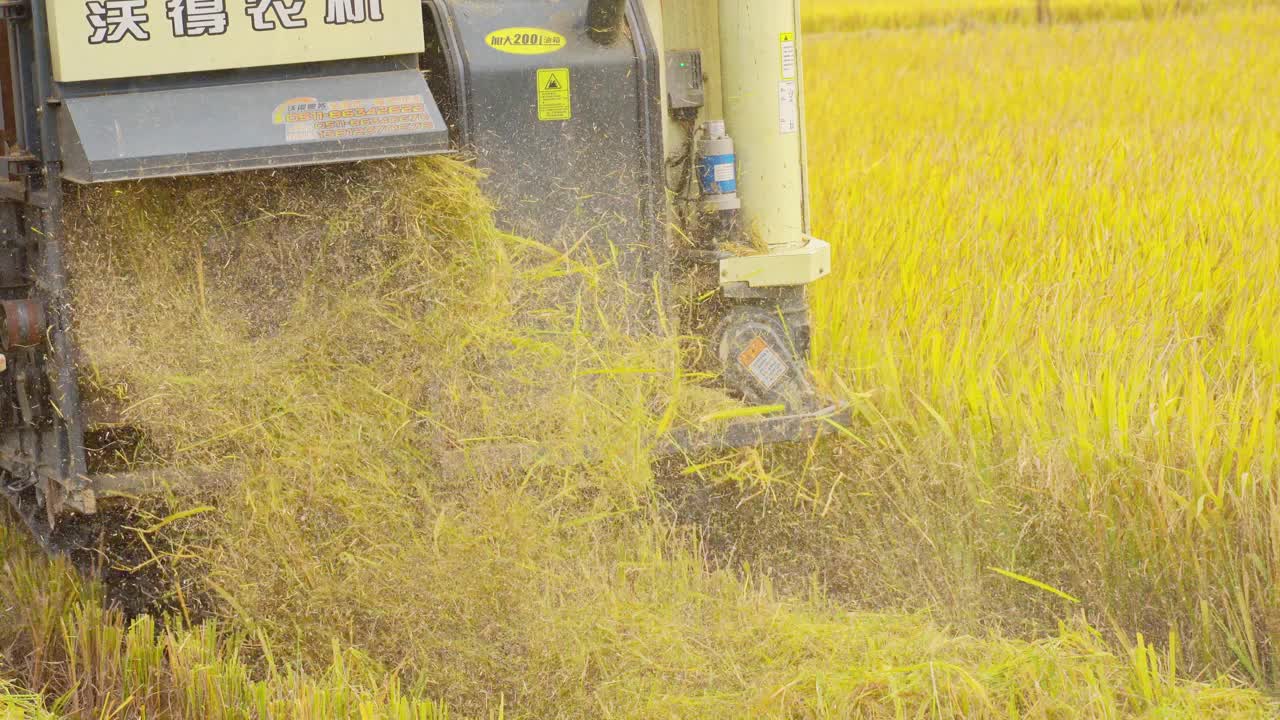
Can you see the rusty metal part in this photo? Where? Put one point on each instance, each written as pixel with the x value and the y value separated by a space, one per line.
pixel 23 323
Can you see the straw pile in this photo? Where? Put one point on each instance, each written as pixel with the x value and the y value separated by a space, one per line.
pixel 305 347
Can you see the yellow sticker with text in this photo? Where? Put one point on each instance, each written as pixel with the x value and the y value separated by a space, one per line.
pixel 555 101
pixel 790 59
pixel 525 41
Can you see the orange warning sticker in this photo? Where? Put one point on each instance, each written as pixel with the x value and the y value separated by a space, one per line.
pixel 765 365
pixel 308 119
pixel 752 352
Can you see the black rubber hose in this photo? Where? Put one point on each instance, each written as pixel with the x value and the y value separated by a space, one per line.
pixel 604 20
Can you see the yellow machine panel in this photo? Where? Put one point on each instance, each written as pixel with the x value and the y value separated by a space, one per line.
pixel 751 56
pixel 102 39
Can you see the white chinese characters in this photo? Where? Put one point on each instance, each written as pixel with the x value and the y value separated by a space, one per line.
pixel 113 20
pixel 286 13
pixel 197 17
pixel 341 12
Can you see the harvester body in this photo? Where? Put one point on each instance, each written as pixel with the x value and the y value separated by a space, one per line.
pixel 668 133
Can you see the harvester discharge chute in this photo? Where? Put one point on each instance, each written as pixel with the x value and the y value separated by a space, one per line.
pixel 668 133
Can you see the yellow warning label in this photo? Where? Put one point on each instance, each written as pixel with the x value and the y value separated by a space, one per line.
pixel 525 41
pixel 555 102
pixel 789 56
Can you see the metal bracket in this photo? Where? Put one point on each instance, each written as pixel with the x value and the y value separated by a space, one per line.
pixel 13 191
pixel 750 433
pixel 22 163
pixel 685 441
pixel 15 10
pixel 799 265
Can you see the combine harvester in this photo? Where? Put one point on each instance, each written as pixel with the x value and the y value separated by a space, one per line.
pixel 668 132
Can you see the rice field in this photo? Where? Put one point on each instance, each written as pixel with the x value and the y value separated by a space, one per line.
pixel 1054 311
pixel 683 646
pixel 1059 305
pixel 856 15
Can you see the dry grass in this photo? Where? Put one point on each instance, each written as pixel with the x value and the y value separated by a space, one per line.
pixel 87 662
pixel 666 639
pixel 331 336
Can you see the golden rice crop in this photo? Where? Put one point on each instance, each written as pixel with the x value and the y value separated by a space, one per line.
pixel 1057 306
pixel 845 15
pixel 667 640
